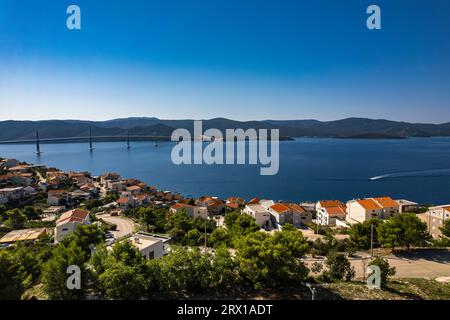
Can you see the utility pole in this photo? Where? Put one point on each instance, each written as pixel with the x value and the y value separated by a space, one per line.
pixel 38 147
pixel 205 235
pixel 371 239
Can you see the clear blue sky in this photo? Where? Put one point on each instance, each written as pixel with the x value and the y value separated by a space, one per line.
pixel 241 59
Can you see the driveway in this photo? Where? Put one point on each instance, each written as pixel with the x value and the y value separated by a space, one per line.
pixel 421 264
pixel 124 225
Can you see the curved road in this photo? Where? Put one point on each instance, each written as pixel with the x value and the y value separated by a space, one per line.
pixel 124 225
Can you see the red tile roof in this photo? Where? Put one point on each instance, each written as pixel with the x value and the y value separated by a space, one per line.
pixel 331 203
pixel 181 205
pixel 232 205
pixel 335 211
pixel 122 200
pixel 369 204
pixel 76 215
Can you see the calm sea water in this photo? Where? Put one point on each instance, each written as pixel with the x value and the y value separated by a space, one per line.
pixel 310 169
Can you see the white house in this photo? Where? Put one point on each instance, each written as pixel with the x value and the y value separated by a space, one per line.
pixel 289 213
pixel 259 212
pixel 192 211
pixel 327 211
pixel 68 221
pixel 57 197
pixel 8 194
pixel 149 245
pixel 360 210
pixel 330 215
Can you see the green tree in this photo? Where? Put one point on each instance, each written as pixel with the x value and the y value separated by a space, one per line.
pixel 54 273
pixel 93 203
pixel 32 213
pixel 127 253
pixel 87 237
pixel 31 256
pixel 386 270
pixel 185 269
pixel 230 218
pixel 110 197
pixel 224 269
pixel 12 277
pixel 122 282
pixel 403 230
pixel 360 233
pixel 178 225
pixel 220 237
pixel 153 218
pixel 244 225
pixel 445 229
pixel 200 224
pixel 193 237
pixel 339 267
pixel 270 260
pixel 15 219
pixel 389 234
pixel 3 210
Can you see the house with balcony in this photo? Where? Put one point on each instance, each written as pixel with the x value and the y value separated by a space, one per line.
pixel 360 210
pixel 289 213
pixel 259 212
pixel 328 211
pixel 192 211
pixel 435 218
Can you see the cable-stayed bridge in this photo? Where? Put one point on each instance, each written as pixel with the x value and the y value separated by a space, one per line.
pixel 90 138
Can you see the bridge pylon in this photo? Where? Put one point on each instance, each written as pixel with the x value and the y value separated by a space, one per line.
pixel 91 148
pixel 38 146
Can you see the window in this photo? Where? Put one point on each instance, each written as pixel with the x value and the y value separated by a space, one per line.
pixel 65 229
pixel 151 255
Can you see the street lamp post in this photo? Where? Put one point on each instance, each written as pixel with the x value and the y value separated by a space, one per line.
pixel 313 290
pixel 371 240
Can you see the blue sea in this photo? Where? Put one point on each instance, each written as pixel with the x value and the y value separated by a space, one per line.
pixel 311 169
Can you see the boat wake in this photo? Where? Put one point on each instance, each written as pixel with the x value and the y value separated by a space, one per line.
pixel 422 173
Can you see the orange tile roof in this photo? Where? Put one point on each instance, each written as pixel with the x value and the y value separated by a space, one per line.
pixel 122 200
pixel 331 203
pixel 335 211
pixel 73 215
pixel 369 204
pixel 386 202
pixel 296 207
pixel 233 205
pixel 253 201
pixel 280 208
pixel 181 205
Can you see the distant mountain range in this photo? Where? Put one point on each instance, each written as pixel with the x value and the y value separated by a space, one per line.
pixel 345 128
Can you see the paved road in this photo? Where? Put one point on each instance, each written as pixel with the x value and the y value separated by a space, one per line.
pixel 124 225
pixel 424 264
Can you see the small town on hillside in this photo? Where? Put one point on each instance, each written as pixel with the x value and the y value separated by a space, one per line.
pixel 327 240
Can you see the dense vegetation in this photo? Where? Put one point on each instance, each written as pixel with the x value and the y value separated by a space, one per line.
pixel 238 255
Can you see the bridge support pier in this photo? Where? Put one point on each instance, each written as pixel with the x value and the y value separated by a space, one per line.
pixel 38 146
pixel 91 148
